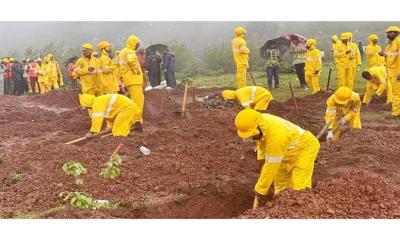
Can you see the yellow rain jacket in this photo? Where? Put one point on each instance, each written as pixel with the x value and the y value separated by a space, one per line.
pixel 372 51
pixel 106 74
pixel 88 79
pixel 392 63
pixel 43 77
pixel 377 85
pixel 350 111
pixel 289 153
pixel 257 98
pixel 59 73
pixel 120 112
pixel 241 58
pixel 312 64
pixel 343 65
pixel 52 74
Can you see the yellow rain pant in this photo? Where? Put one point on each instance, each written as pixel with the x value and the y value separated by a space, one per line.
pixel 395 89
pixel 121 125
pixel 355 122
pixel 370 90
pixel 44 87
pixel 241 72
pixel 296 169
pixel 137 96
pixel 312 81
pixel 53 83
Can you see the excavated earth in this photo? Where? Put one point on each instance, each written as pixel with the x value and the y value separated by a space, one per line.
pixel 198 167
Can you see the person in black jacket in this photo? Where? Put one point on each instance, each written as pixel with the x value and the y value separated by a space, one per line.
pixel 154 68
pixel 168 67
pixel 18 70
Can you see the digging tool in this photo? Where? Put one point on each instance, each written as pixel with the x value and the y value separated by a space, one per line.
pixel 73 100
pixel 184 100
pixel 252 78
pixel 84 138
pixel 329 79
pixel 117 150
pixel 255 203
pixel 193 98
pixel 294 99
pixel 324 129
pixel 176 88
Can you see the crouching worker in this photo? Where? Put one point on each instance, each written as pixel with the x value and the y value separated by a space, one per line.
pixel 120 112
pixel 253 97
pixel 376 84
pixel 343 108
pixel 286 151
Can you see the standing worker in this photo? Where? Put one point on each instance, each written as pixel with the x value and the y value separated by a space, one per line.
pixel 273 56
pixel 335 44
pixel 343 52
pixel 129 71
pixel 376 83
pixel 85 69
pixel 168 67
pixel 343 107
pixel 240 56
pixel 18 78
pixel 285 151
pixel 372 51
pixel 142 62
pixel 298 50
pixel 8 82
pixel 42 72
pixel 33 78
pixel 392 63
pixel 313 65
pixel 354 60
pixel 120 112
pixel 52 73
pixel 108 79
pixel 254 97
pixel 154 68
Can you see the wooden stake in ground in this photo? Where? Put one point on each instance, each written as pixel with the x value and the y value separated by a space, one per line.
pixel 193 98
pixel 255 203
pixel 294 99
pixel 252 78
pixel 162 101
pixel 117 150
pixel 329 79
pixel 73 100
pixel 184 100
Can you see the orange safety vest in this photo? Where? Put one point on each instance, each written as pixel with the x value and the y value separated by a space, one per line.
pixel 31 71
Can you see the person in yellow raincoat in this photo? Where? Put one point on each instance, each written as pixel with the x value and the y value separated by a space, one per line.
pixel 313 66
pixel 120 112
pixel 52 73
pixel 106 72
pixel 85 70
pixel 335 44
pixel 254 97
pixel 372 52
pixel 392 64
pixel 240 56
pixel 42 72
pixel 376 83
pixel 60 78
pixel 129 71
pixel 286 151
pixel 342 55
pixel 354 60
pixel 343 107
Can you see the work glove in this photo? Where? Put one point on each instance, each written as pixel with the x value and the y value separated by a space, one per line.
pixel 329 136
pixel 343 121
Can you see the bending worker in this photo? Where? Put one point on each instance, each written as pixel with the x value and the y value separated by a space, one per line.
pixel 376 83
pixel 313 65
pixel 253 97
pixel 120 112
pixel 343 107
pixel 286 151
pixel 240 56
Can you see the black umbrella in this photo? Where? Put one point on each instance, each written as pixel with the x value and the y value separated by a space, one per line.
pixel 282 43
pixel 158 47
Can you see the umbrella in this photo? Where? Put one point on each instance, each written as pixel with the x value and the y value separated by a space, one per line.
pixel 282 43
pixel 158 47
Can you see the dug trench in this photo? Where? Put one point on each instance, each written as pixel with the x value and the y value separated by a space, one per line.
pixel 198 167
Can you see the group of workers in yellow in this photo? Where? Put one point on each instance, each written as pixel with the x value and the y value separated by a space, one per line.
pixel 285 151
pixel 49 75
pixel 100 78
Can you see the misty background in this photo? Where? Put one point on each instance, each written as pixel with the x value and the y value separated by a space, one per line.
pixel 202 47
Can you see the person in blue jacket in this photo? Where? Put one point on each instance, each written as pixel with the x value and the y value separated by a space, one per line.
pixel 168 67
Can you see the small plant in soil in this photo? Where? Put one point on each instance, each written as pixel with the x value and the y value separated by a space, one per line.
pixel 84 201
pixel 181 197
pixel 75 169
pixel 13 178
pixel 111 169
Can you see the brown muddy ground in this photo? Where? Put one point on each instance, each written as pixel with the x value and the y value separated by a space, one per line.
pixel 198 167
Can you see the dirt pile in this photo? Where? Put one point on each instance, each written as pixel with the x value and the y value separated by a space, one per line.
pixel 357 194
